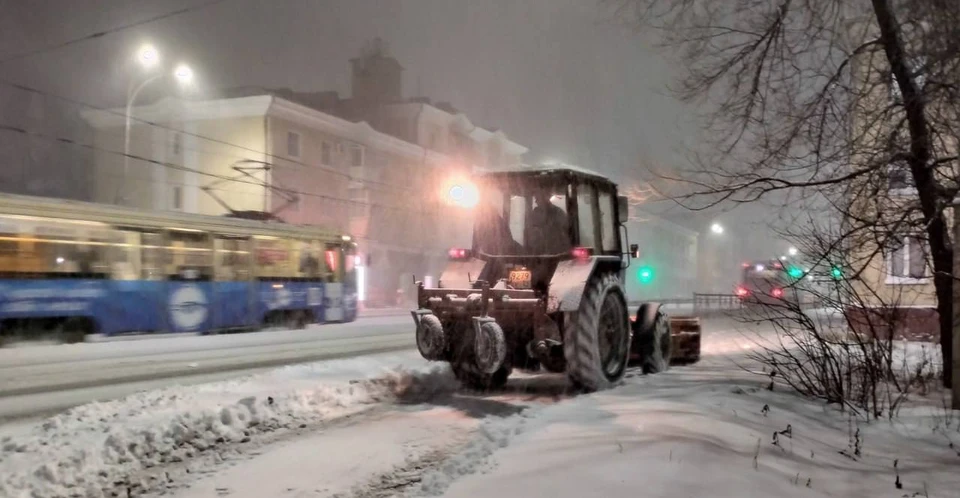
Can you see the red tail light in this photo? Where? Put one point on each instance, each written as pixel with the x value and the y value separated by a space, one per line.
pixel 457 253
pixel 581 252
pixel 741 291
pixel 777 292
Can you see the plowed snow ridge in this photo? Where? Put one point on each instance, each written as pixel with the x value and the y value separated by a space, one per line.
pixel 89 448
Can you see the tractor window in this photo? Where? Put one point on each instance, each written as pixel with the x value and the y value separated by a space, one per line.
pixel 518 215
pixel 608 225
pixel 586 216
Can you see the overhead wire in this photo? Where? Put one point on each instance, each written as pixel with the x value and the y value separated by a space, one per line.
pixel 79 103
pixel 116 29
pixel 178 167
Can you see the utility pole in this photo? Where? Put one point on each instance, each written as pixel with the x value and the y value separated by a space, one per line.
pixel 955 374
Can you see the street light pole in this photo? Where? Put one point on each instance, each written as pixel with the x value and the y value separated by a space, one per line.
pixel 148 57
pixel 128 114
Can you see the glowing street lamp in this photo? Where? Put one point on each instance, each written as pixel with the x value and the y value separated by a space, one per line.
pixel 183 74
pixel 792 251
pixel 148 57
pixel 464 195
pixel 716 228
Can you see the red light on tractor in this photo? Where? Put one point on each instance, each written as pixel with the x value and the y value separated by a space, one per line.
pixel 777 293
pixel 581 252
pixel 741 292
pixel 458 253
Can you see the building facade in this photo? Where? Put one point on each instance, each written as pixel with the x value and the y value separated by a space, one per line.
pixel 889 256
pixel 267 154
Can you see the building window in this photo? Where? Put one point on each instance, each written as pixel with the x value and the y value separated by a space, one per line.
pixel 907 263
pixel 899 176
pixel 176 195
pixel 356 155
pixel 326 153
pixel 177 144
pixel 293 144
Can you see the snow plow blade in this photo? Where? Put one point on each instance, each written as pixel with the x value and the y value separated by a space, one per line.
pixel 685 335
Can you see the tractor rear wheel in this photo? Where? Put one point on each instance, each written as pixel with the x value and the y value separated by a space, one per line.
pixel 596 338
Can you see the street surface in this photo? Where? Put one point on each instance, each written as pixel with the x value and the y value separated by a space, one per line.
pixel 40 379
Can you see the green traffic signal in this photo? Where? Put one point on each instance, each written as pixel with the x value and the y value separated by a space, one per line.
pixel 645 274
pixel 836 272
pixel 795 272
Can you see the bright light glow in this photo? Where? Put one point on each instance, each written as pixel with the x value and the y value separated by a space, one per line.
pixel 783 258
pixel 645 274
pixel 795 272
pixel 741 291
pixel 60 260
pixel 792 251
pixel 716 228
pixel 464 195
pixel 777 292
pixel 183 74
pixel 836 273
pixel 345 238
pixel 760 268
pixel 457 253
pixel 148 56
pixel 361 283
pixel 581 252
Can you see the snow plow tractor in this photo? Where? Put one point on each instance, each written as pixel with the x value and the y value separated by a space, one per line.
pixel 542 287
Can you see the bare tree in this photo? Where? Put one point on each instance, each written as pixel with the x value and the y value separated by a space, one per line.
pixel 828 103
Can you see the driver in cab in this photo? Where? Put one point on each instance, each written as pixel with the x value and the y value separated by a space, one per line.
pixel 548 227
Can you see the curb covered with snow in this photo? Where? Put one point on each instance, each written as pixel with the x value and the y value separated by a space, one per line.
pixel 98 446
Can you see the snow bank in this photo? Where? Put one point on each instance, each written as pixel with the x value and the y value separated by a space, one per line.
pixel 102 445
pixel 704 432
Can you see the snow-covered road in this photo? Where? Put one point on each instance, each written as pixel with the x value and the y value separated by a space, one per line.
pixel 41 379
pixel 392 424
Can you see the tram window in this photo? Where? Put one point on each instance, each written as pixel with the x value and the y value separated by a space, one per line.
pixel 309 262
pixel 124 256
pixel 333 257
pixel 233 259
pixel 152 256
pixel 75 257
pixel 272 257
pixel 189 255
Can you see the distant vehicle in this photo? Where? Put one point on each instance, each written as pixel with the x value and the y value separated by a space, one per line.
pixel 764 282
pixel 72 268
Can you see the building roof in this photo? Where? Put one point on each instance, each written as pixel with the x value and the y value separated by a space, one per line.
pixel 544 169
pixel 476 132
pixel 171 110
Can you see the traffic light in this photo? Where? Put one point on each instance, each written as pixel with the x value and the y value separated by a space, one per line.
pixel 645 274
pixel 795 272
pixel 836 273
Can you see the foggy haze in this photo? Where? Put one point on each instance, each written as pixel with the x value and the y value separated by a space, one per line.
pixel 559 76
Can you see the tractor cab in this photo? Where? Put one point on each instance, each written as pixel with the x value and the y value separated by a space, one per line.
pixel 529 220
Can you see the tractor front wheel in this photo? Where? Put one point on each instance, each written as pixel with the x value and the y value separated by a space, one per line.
pixel 596 338
pixel 471 377
pixel 652 341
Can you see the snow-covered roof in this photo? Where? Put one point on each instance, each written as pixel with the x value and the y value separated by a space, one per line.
pixel 552 168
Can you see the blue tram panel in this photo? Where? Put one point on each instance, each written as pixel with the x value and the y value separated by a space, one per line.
pixel 117 307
